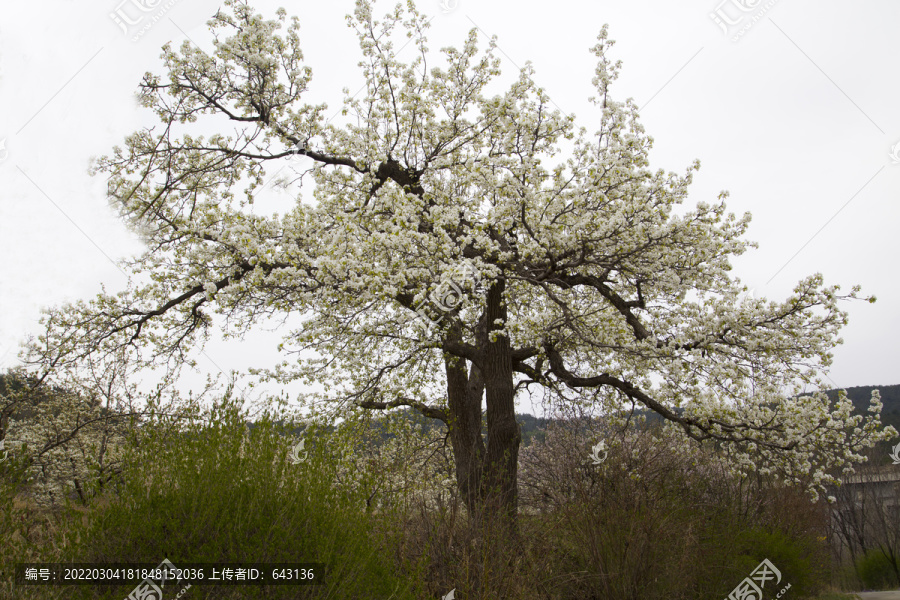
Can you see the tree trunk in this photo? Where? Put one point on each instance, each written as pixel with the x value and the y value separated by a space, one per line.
pixel 487 479
pixel 464 393
pixel 500 480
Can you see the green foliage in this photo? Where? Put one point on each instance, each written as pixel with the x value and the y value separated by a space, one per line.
pixel 876 570
pixel 14 527
pixel 790 555
pixel 206 493
pixel 654 521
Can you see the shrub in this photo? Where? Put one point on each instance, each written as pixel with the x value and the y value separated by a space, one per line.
pixel 876 570
pixel 215 493
pixel 791 556
pixel 658 518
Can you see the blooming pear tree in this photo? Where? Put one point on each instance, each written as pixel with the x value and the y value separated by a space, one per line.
pixel 67 424
pixel 66 440
pixel 587 276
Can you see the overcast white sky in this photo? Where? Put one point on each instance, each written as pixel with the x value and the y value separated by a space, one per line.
pixel 793 110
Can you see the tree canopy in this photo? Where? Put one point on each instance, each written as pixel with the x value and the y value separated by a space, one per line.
pixel 538 256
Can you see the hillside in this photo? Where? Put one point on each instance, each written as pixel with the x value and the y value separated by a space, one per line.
pixel 533 427
pixel 890 397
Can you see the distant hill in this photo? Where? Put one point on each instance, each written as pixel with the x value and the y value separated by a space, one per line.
pixel 860 396
pixel 533 427
pixel 890 411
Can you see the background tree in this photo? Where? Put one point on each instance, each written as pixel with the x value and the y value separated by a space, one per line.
pixel 435 202
pixel 65 427
pixel 65 443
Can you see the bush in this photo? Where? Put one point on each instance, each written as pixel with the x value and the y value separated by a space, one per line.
pixel 19 532
pixel 791 556
pixel 876 570
pixel 660 519
pixel 210 493
pixel 657 519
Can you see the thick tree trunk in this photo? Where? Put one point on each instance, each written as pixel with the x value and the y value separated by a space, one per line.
pixel 500 480
pixel 464 394
pixel 487 478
